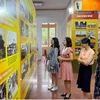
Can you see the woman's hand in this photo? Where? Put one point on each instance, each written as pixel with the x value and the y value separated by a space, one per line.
pixel 95 74
pixel 60 58
pixel 51 67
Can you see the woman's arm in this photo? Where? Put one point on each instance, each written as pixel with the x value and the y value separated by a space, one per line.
pixel 67 59
pixel 56 54
pixel 88 60
pixel 96 69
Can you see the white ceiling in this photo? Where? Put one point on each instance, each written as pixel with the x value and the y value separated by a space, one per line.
pixel 53 4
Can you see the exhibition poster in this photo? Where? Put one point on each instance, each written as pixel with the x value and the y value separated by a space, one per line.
pixel 83 25
pixel 17 47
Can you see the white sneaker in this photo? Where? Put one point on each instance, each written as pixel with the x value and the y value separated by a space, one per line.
pixel 54 88
pixel 50 87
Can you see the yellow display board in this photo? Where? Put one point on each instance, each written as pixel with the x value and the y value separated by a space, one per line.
pixel 17 47
pixel 80 26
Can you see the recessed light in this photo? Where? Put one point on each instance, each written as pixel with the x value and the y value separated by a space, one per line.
pixel 36 4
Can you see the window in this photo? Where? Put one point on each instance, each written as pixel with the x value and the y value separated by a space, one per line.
pixel 44 36
pixel 48 32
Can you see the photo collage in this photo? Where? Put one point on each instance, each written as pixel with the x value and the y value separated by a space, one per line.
pixel 84 29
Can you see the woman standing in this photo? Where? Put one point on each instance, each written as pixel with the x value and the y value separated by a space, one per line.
pixel 97 80
pixel 53 66
pixel 66 72
pixel 86 60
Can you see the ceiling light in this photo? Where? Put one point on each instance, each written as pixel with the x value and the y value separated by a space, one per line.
pixel 71 10
pixel 36 4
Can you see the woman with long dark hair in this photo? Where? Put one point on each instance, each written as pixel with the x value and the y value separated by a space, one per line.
pixel 86 60
pixel 53 66
pixel 66 71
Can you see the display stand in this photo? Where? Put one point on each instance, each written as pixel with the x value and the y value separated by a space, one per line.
pixel 80 26
pixel 18 55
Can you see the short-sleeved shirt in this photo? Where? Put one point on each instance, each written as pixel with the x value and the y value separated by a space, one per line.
pixel 85 54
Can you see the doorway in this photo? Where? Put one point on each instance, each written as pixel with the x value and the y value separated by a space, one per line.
pixel 48 32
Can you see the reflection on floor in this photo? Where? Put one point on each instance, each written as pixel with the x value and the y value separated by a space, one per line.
pixel 42 80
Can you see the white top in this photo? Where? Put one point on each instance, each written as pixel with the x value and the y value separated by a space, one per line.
pixel 64 50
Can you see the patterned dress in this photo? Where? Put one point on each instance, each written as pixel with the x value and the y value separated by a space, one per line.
pixel 53 60
pixel 97 80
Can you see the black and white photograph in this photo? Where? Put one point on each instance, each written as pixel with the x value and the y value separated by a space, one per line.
pixel 12 85
pixel 24 10
pixel 31 47
pixel 92 45
pixel 91 34
pixel 2 44
pixel 26 13
pixel 30 32
pixel 80 33
pixel 3 91
pixel 78 42
pixel 23 29
pixel 80 25
pixel 1 4
pixel 30 18
pixel 91 25
pixel 11 7
pixel 24 50
pixel 25 68
pixel 26 30
pixel 12 43
pixel 77 51
pixel 31 60
pixel 78 5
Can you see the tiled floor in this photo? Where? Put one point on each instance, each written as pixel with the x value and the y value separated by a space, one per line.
pixel 42 80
